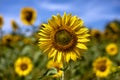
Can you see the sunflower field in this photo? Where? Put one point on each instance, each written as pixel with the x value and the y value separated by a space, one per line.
pixel 62 48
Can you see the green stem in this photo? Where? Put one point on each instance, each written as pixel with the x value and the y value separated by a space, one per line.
pixel 23 78
pixel 1 42
pixel 62 78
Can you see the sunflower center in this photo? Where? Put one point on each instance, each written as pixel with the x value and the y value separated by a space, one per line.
pixel 9 40
pixel 24 66
pixel 102 68
pixel 112 49
pixel 28 16
pixel 63 37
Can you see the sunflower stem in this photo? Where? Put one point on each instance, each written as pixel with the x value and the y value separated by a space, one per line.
pixel 62 78
pixel 23 78
pixel 63 74
pixel 1 42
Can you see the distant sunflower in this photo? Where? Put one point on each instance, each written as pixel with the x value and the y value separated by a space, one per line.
pixel 23 66
pixel 14 25
pixel 114 27
pixel 7 39
pixel 57 65
pixel 28 16
pixel 96 34
pixel 63 38
pixel 1 22
pixel 102 67
pixel 10 40
pixel 112 49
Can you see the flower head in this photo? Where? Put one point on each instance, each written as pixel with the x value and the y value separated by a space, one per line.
pixel 102 67
pixel 114 27
pixel 1 22
pixel 112 49
pixel 23 66
pixel 57 65
pixel 63 38
pixel 10 40
pixel 95 34
pixel 14 25
pixel 28 15
pixel 7 39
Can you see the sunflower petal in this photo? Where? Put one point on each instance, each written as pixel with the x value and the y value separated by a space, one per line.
pixel 52 53
pixel 73 56
pixel 59 56
pixel 73 19
pixel 82 30
pixel 83 40
pixel 67 57
pixel 83 36
pixel 55 56
pixel 77 52
pixel 78 25
pixel 81 46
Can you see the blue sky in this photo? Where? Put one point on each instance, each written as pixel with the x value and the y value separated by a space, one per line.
pixel 95 13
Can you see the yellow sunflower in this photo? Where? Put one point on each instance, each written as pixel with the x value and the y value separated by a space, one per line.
pixel 23 66
pixel 63 38
pixel 7 39
pixel 1 22
pixel 28 16
pixel 112 49
pixel 57 65
pixel 14 25
pixel 10 40
pixel 102 67
pixel 96 34
pixel 114 27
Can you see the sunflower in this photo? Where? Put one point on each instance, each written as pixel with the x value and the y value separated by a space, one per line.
pixel 57 65
pixel 28 16
pixel 23 66
pixel 102 67
pixel 1 22
pixel 7 39
pixel 96 34
pixel 63 38
pixel 14 25
pixel 10 40
pixel 112 49
pixel 114 27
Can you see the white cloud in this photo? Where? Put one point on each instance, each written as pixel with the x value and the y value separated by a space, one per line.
pixel 94 11
pixel 53 6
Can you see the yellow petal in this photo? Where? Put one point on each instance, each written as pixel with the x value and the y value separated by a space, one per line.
pixel 78 25
pixel 67 19
pixel 73 19
pixel 81 46
pixel 77 52
pixel 83 36
pixel 73 56
pixel 55 56
pixel 63 19
pixel 47 49
pixel 57 20
pixel 67 57
pixel 52 53
pixel 83 40
pixel 82 30
pixel 59 56
pixel 44 39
